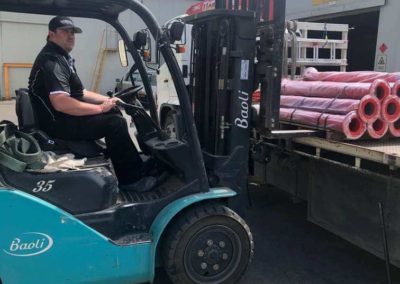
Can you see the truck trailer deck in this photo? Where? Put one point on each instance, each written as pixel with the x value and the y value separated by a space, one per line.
pixel 386 152
pixel 344 184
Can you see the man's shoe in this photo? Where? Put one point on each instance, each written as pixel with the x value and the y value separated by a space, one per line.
pixel 142 185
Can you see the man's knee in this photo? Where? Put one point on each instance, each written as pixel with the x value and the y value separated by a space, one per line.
pixel 116 123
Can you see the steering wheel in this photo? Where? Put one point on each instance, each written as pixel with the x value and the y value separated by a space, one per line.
pixel 128 93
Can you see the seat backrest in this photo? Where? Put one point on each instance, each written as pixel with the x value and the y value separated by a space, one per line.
pixel 28 123
pixel 26 114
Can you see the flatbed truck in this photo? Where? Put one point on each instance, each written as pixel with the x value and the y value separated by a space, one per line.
pixel 352 187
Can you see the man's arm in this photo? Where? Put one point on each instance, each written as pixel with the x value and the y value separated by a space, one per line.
pixel 94 98
pixel 64 103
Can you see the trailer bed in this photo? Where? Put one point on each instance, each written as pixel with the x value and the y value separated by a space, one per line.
pixel 385 152
pixel 343 182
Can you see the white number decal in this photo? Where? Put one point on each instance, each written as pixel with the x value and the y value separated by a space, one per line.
pixel 43 186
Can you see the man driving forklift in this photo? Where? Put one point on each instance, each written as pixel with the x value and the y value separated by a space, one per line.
pixel 66 110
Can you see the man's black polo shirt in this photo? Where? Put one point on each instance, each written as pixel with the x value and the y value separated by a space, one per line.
pixel 53 72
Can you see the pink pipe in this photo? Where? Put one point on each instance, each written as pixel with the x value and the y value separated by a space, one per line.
pixel 395 88
pixel 339 90
pixel 390 108
pixel 377 129
pixel 350 125
pixel 368 108
pixel 312 74
pixel 394 128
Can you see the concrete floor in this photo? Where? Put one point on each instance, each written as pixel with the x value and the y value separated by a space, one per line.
pixel 7 111
pixel 291 250
pixel 288 248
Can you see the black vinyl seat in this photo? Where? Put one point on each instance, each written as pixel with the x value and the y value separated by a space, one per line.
pixel 28 123
pixel 76 191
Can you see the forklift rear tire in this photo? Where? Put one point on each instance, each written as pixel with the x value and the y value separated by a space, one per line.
pixel 208 244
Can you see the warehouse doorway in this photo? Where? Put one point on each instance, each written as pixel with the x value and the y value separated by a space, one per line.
pixel 362 37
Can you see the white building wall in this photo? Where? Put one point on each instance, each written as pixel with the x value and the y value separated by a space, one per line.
pixel 23 35
pixel 389 22
pixel 388 34
pixel 299 9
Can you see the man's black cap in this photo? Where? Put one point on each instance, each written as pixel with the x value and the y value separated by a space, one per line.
pixel 61 22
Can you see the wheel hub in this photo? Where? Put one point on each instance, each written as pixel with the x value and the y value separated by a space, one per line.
pixel 211 253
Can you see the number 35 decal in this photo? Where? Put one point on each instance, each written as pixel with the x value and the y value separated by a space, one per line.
pixel 44 186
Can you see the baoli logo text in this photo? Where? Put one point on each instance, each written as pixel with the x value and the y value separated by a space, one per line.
pixel 29 244
pixel 243 120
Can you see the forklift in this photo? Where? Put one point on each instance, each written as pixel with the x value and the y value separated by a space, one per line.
pixel 76 226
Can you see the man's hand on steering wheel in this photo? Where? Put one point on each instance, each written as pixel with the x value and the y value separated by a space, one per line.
pixel 128 94
pixel 108 105
pixel 115 100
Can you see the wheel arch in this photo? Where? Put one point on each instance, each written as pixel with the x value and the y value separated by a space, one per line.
pixel 171 212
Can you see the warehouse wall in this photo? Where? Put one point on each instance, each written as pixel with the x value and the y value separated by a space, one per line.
pixel 299 9
pixel 387 25
pixel 388 34
pixel 23 35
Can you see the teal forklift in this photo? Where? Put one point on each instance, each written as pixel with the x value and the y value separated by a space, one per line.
pixel 76 226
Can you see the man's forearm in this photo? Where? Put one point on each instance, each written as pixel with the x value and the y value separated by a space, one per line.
pixel 71 106
pixel 94 98
pixel 77 108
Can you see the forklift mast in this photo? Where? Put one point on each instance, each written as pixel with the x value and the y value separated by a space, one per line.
pixel 236 48
pixel 270 32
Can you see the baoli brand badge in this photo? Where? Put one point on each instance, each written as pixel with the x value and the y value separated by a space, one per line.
pixel 29 244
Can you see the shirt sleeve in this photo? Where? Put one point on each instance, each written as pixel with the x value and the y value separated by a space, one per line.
pixel 56 77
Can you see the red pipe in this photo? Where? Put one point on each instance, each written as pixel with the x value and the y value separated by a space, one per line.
pixel 368 108
pixel 312 74
pixel 377 129
pixel 338 90
pixel 395 88
pixel 390 109
pixel 394 128
pixel 350 125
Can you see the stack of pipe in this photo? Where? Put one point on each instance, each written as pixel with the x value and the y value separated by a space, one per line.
pixel 390 106
pixel 348 106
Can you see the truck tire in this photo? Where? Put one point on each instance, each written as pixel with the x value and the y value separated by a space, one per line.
pixel 208 244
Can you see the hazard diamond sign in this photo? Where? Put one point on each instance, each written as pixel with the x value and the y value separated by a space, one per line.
pixel 381 61
pixel 383 48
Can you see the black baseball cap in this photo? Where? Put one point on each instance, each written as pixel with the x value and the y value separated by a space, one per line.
pixel 61 22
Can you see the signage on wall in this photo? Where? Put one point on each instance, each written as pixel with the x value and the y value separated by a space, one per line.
pixel 381 61
pixel 383 47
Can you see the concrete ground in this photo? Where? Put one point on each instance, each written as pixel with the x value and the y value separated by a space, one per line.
pixel 291 250
pixel 7 111
pixel 288 248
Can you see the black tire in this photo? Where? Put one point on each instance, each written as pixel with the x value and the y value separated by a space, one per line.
pixel 207 244
pixel 169 124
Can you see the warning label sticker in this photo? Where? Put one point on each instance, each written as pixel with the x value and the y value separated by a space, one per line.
pixel 244 70
pixel 381 61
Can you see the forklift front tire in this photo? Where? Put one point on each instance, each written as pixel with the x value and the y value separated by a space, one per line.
pixel 208 244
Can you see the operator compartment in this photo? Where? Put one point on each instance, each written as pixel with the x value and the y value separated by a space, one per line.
pixel 173 153
pixel 75 191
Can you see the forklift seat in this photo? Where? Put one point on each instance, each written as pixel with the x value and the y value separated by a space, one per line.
pixel 27 122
